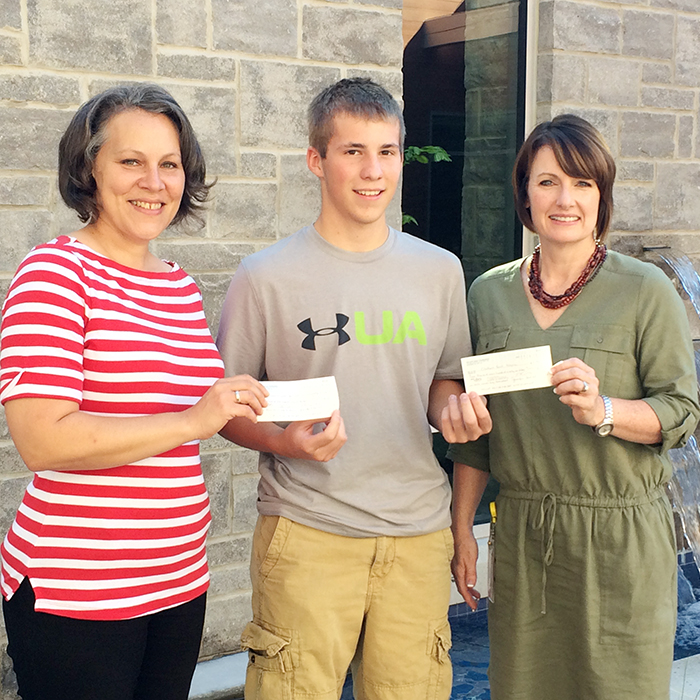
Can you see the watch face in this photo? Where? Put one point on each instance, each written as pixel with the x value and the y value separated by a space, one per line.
pixel 605 429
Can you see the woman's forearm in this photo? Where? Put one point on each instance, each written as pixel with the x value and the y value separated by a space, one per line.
pixel 467 489
pixel 55 434
pixel 577 386
pixel 635 421
pixel 469 485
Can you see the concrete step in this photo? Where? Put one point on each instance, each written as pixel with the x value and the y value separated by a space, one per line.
pixel 219 679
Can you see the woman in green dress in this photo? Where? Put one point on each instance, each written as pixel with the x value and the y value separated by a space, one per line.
pixel 584 576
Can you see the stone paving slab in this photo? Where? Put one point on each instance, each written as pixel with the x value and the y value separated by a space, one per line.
pixel 685 679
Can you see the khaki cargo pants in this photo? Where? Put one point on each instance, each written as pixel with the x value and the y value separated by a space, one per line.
pixel 323 601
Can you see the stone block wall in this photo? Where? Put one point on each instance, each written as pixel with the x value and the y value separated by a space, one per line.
pixel 632 67
pixel 244 71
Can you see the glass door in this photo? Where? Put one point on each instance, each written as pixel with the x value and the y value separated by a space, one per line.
pixel 464 77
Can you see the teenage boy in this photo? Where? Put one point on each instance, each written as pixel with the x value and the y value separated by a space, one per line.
pixel 352 549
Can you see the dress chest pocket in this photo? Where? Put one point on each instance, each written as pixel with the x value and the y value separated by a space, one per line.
pixel 605 348
pixel 492 340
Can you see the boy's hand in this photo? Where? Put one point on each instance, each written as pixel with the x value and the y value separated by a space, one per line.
pixel 465 418
pixel 299 441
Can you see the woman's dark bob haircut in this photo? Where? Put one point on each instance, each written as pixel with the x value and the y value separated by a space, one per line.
pixel 580 151
pixel 86 133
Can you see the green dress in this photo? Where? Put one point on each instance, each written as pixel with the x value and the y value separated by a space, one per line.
pixel 585 557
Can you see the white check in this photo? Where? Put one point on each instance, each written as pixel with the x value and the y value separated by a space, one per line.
pixel 303 399
pixel 512 370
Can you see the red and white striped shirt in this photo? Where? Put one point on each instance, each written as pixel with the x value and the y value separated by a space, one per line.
pixel 116 543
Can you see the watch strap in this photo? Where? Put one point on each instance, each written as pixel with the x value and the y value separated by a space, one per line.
pixel 604 428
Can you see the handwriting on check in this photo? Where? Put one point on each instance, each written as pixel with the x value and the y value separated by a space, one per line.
pixel 513 370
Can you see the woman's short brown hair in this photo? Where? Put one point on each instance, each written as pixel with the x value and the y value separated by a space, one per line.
pixel 86 133
pixel 580 151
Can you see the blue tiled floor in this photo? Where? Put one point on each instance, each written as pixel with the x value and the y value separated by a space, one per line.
pixel 470 657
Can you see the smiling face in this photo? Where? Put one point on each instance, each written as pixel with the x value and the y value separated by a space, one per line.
pixel 564 209
pixel 360 172
pixel 139 177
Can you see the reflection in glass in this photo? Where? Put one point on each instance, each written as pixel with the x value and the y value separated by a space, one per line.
pixel 463 78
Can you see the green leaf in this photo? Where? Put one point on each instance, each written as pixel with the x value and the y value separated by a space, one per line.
pixel 410 154
pixel 408 219
pixel 423 154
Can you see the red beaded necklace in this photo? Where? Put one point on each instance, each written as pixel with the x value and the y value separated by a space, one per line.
pixel 550 301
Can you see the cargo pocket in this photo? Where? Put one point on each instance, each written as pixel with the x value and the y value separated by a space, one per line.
pixel 439 645
pixel 271 663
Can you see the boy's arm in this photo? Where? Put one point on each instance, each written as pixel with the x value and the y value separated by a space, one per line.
pixel 297 441
pixel 459 416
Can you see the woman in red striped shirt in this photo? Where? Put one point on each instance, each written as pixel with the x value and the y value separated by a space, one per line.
pixel 110 378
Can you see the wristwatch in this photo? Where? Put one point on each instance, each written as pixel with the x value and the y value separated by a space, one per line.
pixel 604 428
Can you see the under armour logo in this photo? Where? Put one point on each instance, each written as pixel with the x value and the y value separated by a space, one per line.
pixel 309 343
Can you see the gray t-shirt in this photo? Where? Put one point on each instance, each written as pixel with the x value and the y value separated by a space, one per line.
pixel 385 323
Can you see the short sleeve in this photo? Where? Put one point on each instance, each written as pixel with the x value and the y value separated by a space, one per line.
pixel 474 454
pixel 457 340
pixel 242 331
pixel 43 329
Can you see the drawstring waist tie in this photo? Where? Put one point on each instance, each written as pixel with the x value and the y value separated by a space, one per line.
pixel 545 517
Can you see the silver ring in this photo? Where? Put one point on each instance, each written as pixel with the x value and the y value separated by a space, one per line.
pixel 585 387
pixel 238 396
